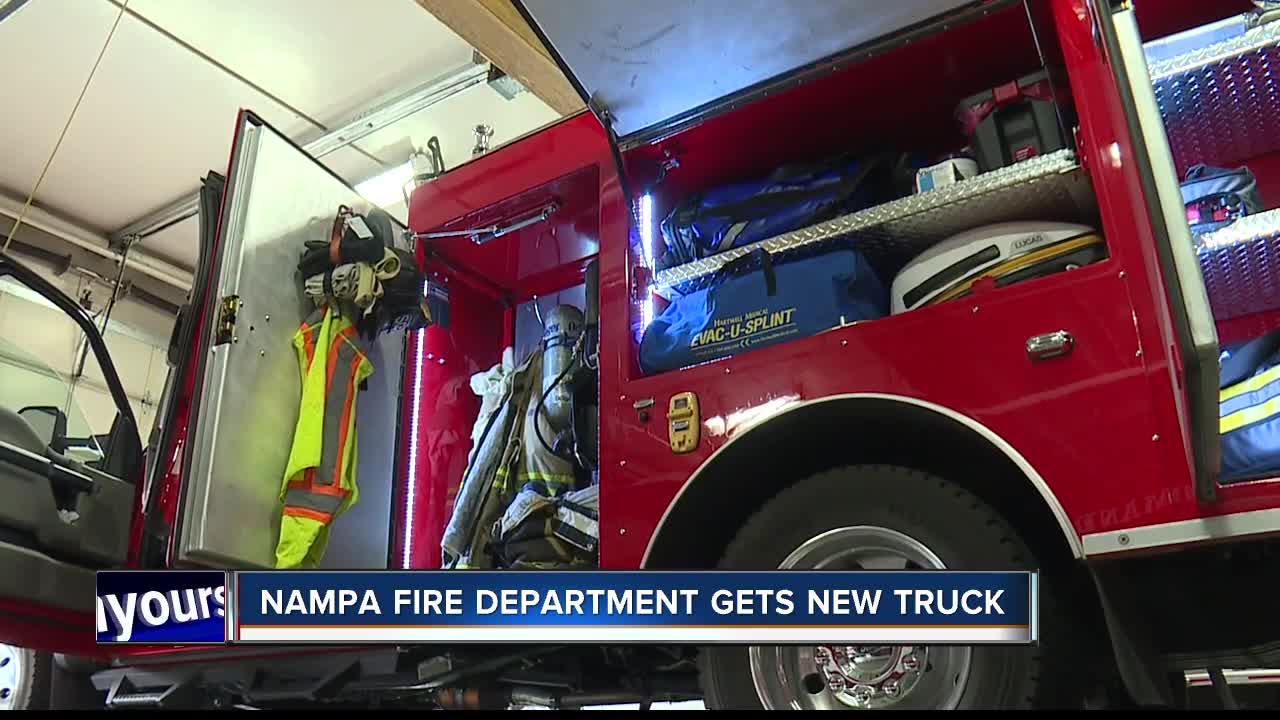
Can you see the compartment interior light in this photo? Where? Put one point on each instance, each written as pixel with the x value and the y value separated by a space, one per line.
pixel 411 486
pixel 647 248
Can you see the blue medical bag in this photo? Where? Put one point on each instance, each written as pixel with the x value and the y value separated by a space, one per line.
pixel 1249 410
pixel 754 302
pixel 743 213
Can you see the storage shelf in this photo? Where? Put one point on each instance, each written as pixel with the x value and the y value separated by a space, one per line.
pixel 1050 187
pixel 1221 102
pixel 1241 266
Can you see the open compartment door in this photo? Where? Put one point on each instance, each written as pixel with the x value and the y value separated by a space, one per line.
pixel 1197 335
pixel 248 388
pixel 654 64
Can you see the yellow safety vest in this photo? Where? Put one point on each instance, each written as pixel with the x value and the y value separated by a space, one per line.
pixel 320 479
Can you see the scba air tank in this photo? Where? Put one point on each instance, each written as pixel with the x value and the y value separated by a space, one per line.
pixel 559 342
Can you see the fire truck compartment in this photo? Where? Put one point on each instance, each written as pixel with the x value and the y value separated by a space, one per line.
pixel 1216 95
pixel 499 246
pixel 507 261
pixel 897 96
pixel 1213 84
pixel 511 235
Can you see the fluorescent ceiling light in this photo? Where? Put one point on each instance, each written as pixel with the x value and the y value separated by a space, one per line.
pixel 388 188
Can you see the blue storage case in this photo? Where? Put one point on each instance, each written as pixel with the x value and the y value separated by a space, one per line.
pixel 791 197
pixel 753 302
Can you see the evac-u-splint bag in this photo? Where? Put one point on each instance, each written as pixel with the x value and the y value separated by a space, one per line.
pixel 753 303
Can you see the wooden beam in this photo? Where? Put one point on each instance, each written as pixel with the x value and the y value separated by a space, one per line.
pixel 497 30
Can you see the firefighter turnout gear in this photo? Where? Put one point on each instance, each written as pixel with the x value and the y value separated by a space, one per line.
pixel 482 497
pixel 320 478
pixel 510 459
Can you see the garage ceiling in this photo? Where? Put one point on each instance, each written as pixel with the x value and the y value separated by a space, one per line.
pixel 161 108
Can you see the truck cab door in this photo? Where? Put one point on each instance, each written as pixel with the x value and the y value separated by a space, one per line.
pixel 70 463
pixel 71 458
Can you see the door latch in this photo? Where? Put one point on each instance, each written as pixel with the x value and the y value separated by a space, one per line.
pixel 225 328
pixel 1051 345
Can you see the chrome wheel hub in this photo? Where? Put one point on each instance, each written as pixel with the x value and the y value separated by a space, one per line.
pixel 870 676
pixel 865 677
pixel 13 674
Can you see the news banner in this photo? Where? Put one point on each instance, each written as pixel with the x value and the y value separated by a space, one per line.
pixel 641 607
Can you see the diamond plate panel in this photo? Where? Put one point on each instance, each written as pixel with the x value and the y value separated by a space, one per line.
pixel 1241 266
pixel 1221 104
pixel 1051 187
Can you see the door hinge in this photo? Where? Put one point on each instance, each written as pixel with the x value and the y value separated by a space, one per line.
pixel 641 279
pixel 225 328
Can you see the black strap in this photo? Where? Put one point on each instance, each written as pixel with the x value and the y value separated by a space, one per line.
pixel 747 263
pixel 328 282
pixel 799 170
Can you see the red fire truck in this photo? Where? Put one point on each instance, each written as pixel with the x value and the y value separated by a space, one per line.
pixel 1068 423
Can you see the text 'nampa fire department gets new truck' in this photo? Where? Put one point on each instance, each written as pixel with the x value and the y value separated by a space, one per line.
pixel 856 285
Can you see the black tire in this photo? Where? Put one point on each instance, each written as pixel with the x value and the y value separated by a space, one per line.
pixel 71 684
pixel 960 529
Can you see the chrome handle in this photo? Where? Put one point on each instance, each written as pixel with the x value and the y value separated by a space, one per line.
pixel 1094 30
pixel 1052 345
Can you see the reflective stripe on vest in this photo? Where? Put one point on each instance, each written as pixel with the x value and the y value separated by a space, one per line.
pixel 346 364
pixel 320 480
pixel 1250 401
pixel 311 502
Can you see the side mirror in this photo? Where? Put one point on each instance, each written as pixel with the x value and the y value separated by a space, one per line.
pixel 123 449
pixel 50 423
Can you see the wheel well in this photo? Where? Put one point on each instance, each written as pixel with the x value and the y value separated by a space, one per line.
pixel 847 431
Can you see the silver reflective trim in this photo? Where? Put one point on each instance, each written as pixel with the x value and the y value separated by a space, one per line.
pixel 1196 530
pixel 1256 676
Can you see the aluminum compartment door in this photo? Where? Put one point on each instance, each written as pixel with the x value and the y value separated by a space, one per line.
pixel 653 62
pixel 1184 281
pixel 277 197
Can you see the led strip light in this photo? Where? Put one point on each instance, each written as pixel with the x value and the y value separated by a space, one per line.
pixel 412 489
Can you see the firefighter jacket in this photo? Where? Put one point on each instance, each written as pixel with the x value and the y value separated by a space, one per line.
pixel 320 478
